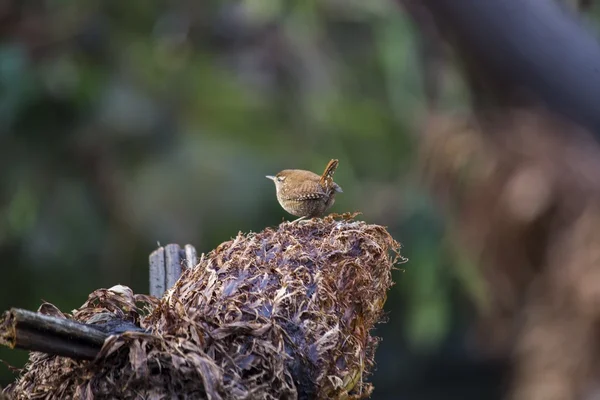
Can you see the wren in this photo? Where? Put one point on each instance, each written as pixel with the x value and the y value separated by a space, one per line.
pixel 305 194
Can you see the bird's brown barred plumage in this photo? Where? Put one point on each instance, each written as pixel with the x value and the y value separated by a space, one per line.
pixel 305 194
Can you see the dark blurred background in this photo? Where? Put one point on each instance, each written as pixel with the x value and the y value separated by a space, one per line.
pixel 124 124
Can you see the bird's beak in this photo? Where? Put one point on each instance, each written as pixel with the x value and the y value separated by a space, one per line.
pixel 338 189
pixel 270 177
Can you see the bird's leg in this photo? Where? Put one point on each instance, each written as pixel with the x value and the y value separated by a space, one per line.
pixel 298 220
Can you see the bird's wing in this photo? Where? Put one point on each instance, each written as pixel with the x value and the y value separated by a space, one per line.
pixel 306 190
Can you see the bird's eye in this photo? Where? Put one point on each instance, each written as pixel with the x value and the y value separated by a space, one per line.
pixel 280 178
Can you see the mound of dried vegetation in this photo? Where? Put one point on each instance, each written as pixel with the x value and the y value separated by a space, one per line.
pixel 280 314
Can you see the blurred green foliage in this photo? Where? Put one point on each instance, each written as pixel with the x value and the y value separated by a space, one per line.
pixel 127 123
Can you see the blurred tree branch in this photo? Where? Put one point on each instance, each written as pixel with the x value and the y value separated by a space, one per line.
pixel 519 52
pixel 519 179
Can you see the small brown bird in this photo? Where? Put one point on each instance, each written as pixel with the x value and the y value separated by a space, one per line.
pixel 304 193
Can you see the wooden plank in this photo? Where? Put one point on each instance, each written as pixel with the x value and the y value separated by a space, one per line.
pixel 158 282
pixel 191 258
pixel 172 264
pixel 166 266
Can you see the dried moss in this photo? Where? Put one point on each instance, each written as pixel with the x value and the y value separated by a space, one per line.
pixel 281 314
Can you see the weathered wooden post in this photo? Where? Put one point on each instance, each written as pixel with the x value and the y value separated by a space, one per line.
pixel 166 266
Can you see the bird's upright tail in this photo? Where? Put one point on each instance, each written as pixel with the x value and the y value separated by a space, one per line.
pixel 329 171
